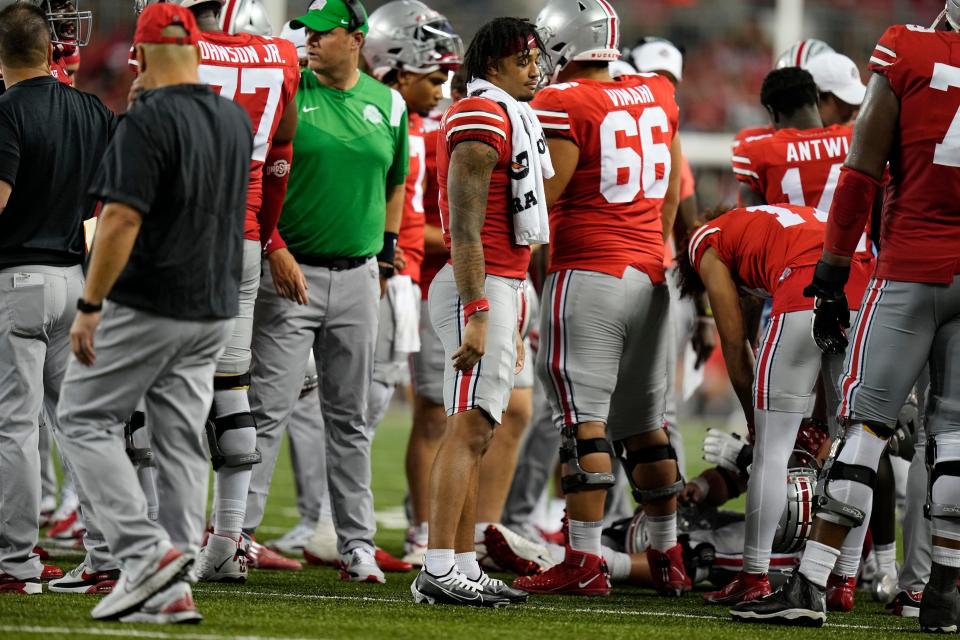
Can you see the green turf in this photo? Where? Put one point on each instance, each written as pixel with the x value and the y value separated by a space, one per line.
pixel 316 604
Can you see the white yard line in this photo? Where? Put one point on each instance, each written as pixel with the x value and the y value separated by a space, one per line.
pixel 123 632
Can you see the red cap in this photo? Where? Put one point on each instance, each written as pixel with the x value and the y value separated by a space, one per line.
pixel 157 17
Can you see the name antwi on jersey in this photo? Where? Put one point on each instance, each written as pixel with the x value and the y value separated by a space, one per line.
pixel 818 149
pixel 242 55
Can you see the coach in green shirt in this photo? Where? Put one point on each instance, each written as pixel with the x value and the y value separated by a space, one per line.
pixel 323 281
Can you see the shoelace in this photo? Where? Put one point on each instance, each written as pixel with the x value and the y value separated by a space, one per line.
pixel 485 580
pixel 457 579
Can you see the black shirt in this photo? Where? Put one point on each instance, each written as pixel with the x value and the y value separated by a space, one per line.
pixel 181 158
pixel 52 138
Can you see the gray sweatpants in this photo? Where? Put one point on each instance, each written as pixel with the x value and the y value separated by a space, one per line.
pixel 37 306
pixel 308 450
pixel 340 325
pixel 170 364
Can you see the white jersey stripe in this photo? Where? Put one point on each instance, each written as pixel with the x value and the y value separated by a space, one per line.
pixel 547 125
pixel 484 127
pixel 741 159
pixel 697 239
pixel 883 49
pixel 478 114
pixel 551 114
pixel 882 63
pixel 744 172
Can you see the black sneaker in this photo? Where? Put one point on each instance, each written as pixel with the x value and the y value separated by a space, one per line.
pixel 799 603
pixel 453 588
pixel 495 587
pixel 939 611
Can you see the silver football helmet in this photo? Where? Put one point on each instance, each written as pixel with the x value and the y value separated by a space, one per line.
pixel 796 521
pixel 245 16
pixel 140 5
pixel 799 54
pixel 951 11
pixel 69 27
pixel 408 35
pixel 577 30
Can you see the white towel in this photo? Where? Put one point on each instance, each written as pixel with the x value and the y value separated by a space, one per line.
pixel 404 299
pixel 530 165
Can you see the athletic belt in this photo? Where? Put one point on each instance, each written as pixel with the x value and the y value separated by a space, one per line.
pixel 334 264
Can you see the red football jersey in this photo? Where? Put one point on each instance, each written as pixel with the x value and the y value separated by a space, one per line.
pixel 762 245
pixel 920 226
pixel 481 119
pixel 59 71
pixel 432 262
pixel 795 166
pixel 261 75
pixel 411 226
pixel 608 218
pixel 752 133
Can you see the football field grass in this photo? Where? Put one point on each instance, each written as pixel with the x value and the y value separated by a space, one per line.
pixel 315 604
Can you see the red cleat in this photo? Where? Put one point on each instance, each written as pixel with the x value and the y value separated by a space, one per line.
pixel 51 572
pixel 388 563
pixel 41 553
pixel 23 586
pixel 580 574
pixel 743 588
pixel 840 592
pixel 666 568
pixel 68 528
pixel 259 557
pixel 514 553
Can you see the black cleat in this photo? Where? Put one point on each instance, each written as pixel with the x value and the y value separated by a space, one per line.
pixel 799 602
pixel 453 588
pixel 495 587
pixel 939 611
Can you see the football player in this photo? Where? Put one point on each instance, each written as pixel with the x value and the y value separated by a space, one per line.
pixel 603 331
pixel 909 315
pixel 766 251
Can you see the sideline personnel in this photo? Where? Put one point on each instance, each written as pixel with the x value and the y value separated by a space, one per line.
pixel 44 173
pixel 168 252
pixel 343 207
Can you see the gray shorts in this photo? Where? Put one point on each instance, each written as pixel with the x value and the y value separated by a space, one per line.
pixel 427 365
pixel 529 304
pixel 488 385
pixel 603 350
pixel 236 357
pixel 788 362
pixel 902 326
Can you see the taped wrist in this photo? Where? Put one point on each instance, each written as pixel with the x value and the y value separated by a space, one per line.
pixel 387 254
pixel 852 204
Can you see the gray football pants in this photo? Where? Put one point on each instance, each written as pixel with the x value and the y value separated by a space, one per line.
pixel 917 543
pixel 170 364
pixel 308 450
pixel 37 306
pixel 340 325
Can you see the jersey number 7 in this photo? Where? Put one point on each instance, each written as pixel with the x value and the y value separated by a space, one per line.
pixel 259 96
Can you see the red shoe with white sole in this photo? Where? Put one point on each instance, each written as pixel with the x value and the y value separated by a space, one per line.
pixel 744 588
pixel 666 568
pixel 580 574
pixel 22 586
pixel 388 563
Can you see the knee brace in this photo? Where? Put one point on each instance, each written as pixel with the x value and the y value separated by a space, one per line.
pixel 659 453
pixel 140 456
pixel 937 470
pixel 571 449
pixel 231 382
pixel 829 508
pixel 216 427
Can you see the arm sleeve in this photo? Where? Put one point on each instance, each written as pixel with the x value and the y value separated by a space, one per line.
pixel 276 170
pixel 885 60
pixel 131 169
pixel 397 174
pixel 9 149
pixel 553 115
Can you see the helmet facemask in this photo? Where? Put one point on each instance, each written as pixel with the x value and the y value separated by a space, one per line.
pixel 69 27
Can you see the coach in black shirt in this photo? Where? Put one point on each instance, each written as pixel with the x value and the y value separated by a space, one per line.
pixel 52 138
pixel 167 259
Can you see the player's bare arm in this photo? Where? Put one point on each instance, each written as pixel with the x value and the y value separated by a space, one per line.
pixel 725 301
pixel 117 231
pixel 668 214
pixel 873 139
pixel 565 155
pixel 471 165
pixel 5 191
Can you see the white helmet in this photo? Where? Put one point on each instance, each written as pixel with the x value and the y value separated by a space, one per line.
pixel 245 16
pixel 796 521
pixel 578 30
pixel 408 35
pixel 799 54
pixel 140 5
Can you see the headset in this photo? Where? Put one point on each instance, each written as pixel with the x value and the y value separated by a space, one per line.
pixel 358 16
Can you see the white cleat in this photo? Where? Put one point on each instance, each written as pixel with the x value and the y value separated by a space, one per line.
pixel 173 605
pixel 321 548
pixel 360 565
pixel 884 587
pixel 222 559
pixel 128 596
pixel 294 540
pixel 414 553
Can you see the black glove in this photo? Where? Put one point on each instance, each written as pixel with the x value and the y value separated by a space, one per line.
pixel 831 315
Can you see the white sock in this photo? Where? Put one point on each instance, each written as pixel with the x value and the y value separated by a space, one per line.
pixel 585 536
pixel 817 562
pixel 767 488
pixel 439 562
pixel 617 562
pixel 421 533
pixel 478 530
pixel 662 532
pixel 232 483
pixel 946 556
pixel 848 564
pixel 467 565
pixel 886 555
